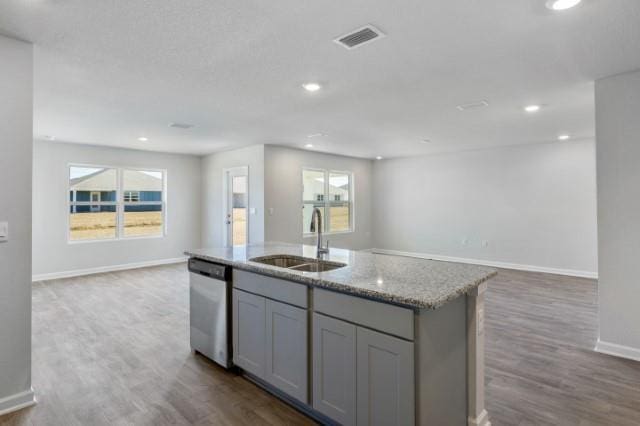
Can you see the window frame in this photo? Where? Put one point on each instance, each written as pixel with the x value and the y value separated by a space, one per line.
pixel 119 203
pixel 327 202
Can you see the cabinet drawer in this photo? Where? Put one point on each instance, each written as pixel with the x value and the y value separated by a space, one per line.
pixel 273 288
pixel 389 319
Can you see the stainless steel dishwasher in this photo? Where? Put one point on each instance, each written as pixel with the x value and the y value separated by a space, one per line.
pixel 210 310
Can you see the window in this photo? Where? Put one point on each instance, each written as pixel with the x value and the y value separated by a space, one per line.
pixel 330 191
pixel 97 211
pixel 143 210
pixel 131 196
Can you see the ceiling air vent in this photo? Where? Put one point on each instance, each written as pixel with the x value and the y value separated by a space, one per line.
pixel 359 37
pixel 473 105
pixel 181 125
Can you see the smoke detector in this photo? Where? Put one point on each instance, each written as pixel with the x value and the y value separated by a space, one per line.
pixel 359 37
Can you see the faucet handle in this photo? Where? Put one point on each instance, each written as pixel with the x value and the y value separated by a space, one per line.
pixel 327 246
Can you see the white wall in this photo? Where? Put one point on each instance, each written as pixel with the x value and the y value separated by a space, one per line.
pixel 283 194
pixel 16 106
pixel 535 205
pixel 52 254
pixel 618 154
pixel 212 207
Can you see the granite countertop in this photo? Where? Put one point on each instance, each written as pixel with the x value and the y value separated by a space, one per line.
pixel 406 281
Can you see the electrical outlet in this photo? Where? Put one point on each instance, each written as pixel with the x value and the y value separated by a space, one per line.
pixel 4 231
pixel 485 243
pixel 271 210
pixel 465 241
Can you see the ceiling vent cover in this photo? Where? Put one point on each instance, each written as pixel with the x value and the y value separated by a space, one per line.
pixel 359 37
pixel 473 105
pixel 181 125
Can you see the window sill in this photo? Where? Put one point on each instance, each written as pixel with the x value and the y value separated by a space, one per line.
pixel 113 240
pixel 311 235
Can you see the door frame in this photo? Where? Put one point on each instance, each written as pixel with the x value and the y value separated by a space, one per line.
pixel 227 174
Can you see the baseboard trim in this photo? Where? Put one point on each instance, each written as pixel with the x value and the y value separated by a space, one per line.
pixel 17 402
pixel 504 265
pixel 617 350
pixel 103 269
pixel 481 420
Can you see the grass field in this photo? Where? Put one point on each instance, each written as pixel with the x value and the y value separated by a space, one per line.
pixel 240 227
pixel 339 219
pixel 95 226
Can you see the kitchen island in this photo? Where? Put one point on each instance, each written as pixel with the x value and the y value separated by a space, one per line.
pixel 359 338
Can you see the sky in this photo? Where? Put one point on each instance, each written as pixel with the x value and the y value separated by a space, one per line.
pixel 76 172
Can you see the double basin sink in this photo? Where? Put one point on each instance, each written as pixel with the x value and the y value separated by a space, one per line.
pixel 298 263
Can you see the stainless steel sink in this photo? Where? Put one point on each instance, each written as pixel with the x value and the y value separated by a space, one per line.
pixel 318 266
pixel 282 260
pixel 298 263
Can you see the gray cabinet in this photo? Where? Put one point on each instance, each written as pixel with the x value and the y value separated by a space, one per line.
pixel 385 379
pixel 249 332
pixel 334 367
pixel 286 349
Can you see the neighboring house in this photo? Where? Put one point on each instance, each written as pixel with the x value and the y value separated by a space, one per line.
pixel 337 193
pixel 98 188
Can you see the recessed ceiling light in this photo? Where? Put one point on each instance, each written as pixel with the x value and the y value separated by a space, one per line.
pixel 378 158
pixel 564 137
pixel 309 145
pixel 143 139
pixel 562 4
pixel 311 87
pixel 532 108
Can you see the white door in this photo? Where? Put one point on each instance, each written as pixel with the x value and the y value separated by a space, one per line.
pixel 385 379
pixel 95 198
pixel 287 360
pixel 249 333
pixel 236 206
pixel 334 369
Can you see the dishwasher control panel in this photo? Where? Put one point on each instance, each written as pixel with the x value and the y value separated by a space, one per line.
pixel 213 270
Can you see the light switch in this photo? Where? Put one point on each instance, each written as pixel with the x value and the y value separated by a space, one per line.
pixel 4 231
pixel 271 211
pixel 252 210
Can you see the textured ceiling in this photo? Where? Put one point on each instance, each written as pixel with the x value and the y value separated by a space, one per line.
pixel 107 72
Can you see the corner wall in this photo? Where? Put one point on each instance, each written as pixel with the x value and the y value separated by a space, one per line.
pixel 16 116
pixel 618 154
pixel 283 196
pixel 54 256
pixel 529 207
pixel 213 167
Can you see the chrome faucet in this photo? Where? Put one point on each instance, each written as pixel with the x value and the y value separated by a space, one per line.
pixel 316 217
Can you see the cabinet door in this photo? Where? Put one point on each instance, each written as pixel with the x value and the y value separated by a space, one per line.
pixel 334 367
pixel 286 349
pixel 385 379
pixel 249 332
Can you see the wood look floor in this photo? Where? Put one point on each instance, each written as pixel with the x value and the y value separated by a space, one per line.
pixel 112 349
